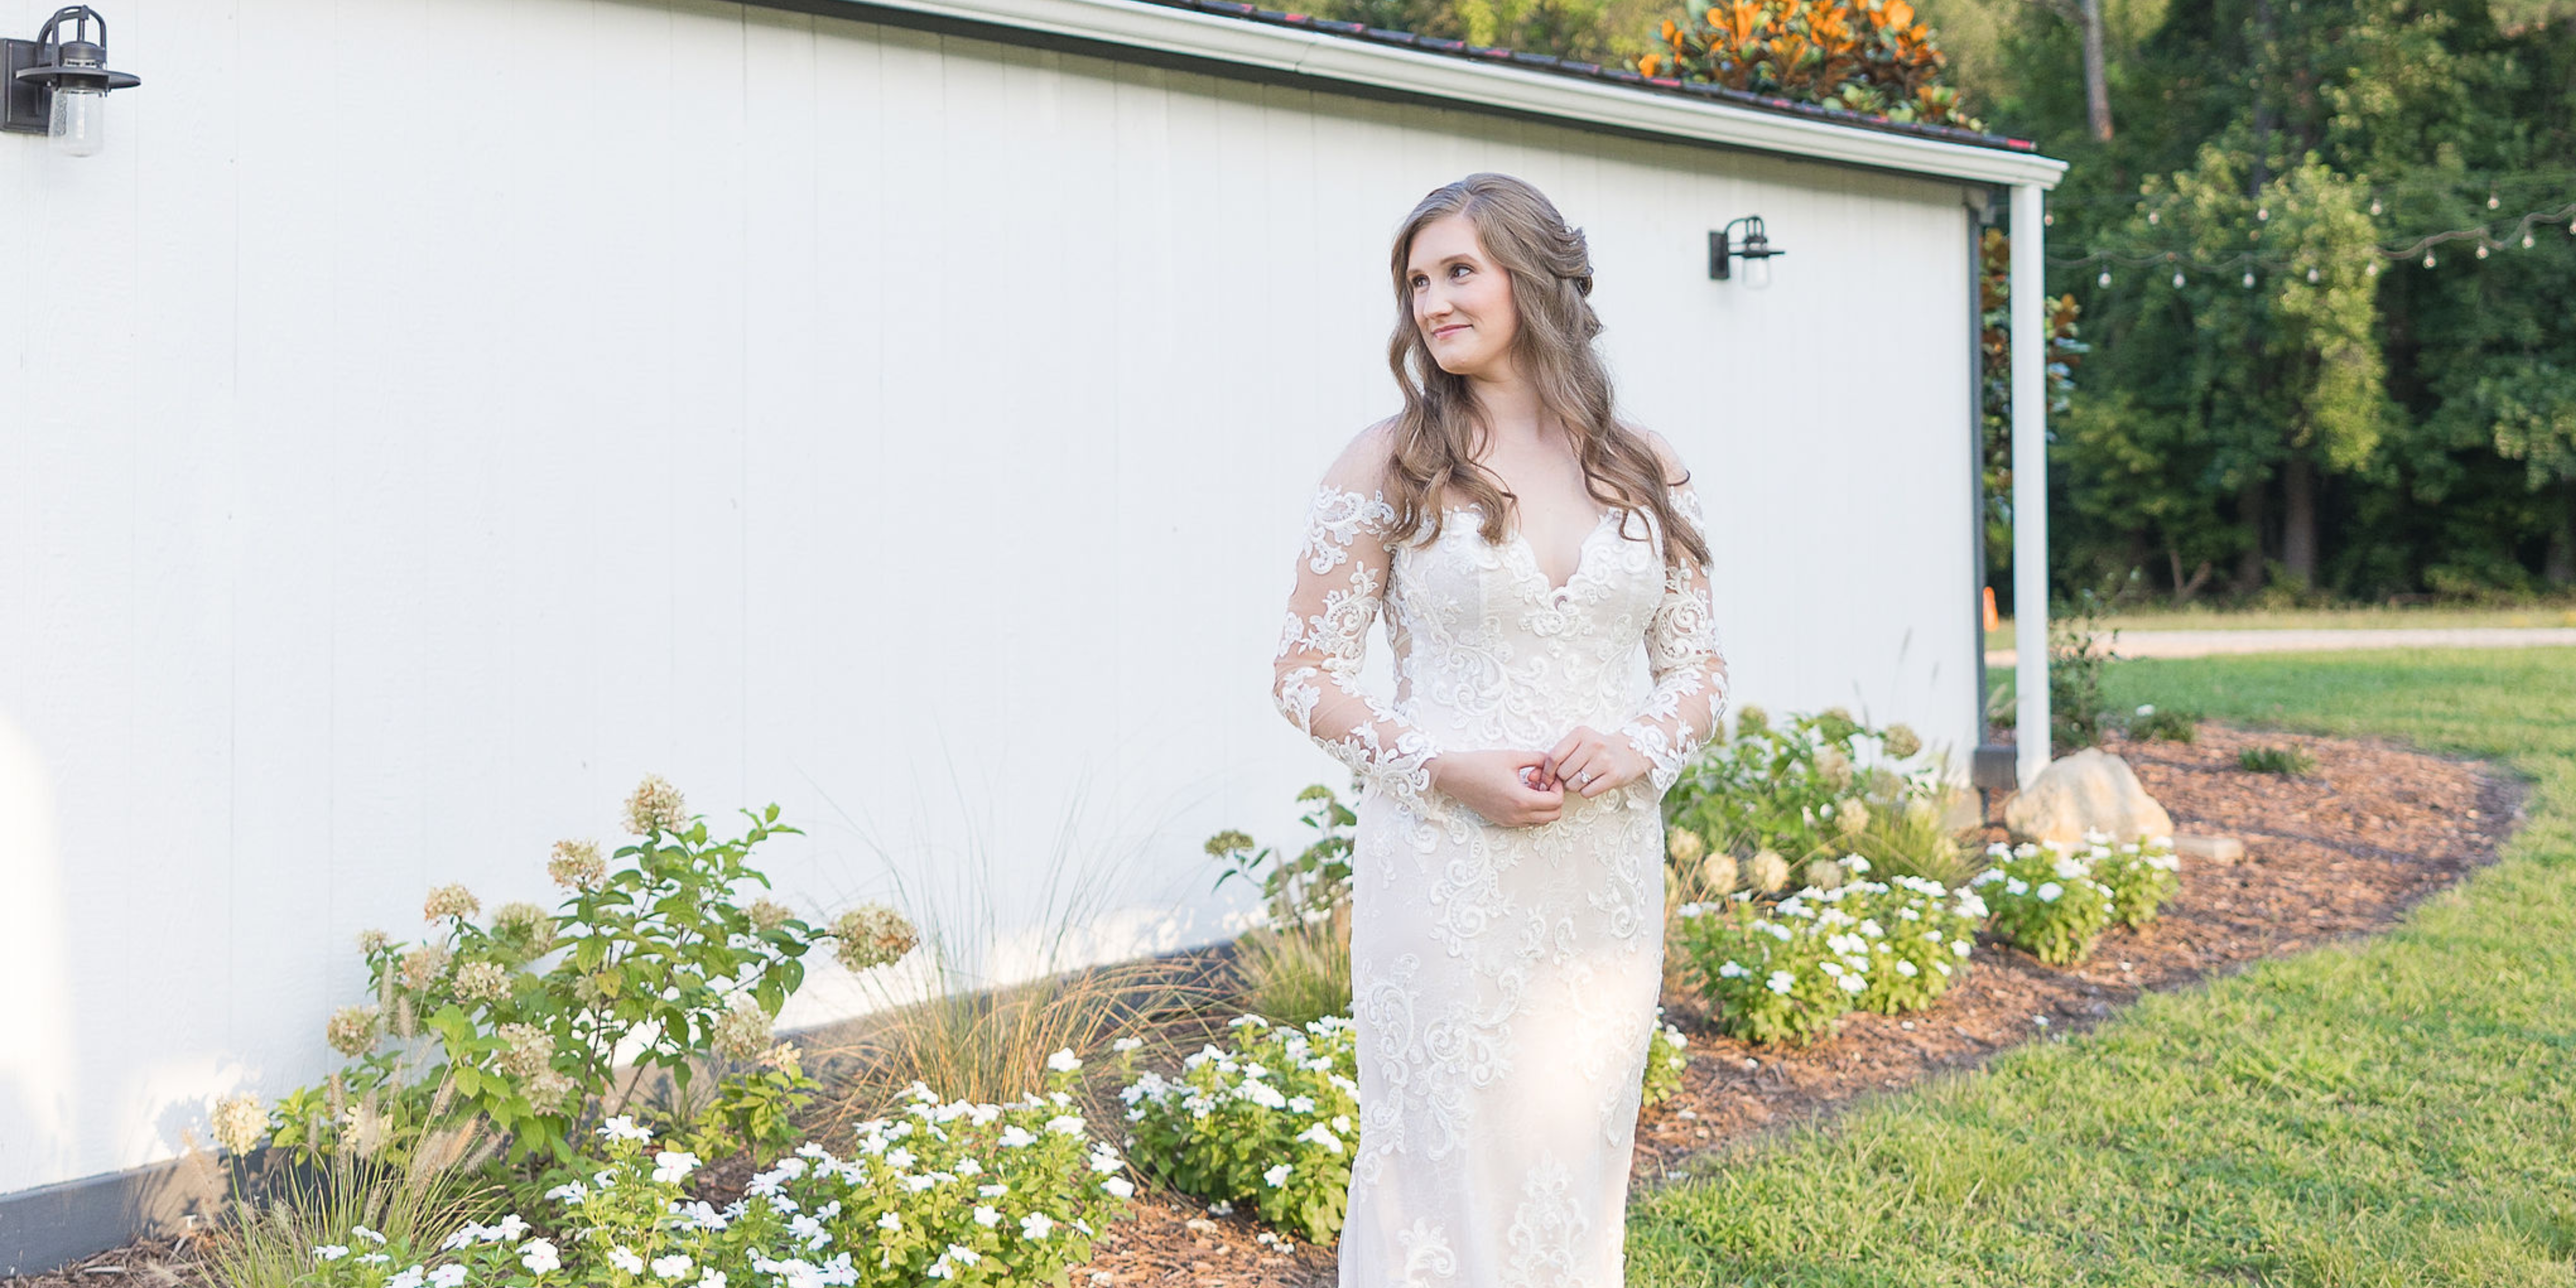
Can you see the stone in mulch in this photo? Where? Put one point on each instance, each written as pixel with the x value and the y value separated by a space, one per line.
pixel 2341 851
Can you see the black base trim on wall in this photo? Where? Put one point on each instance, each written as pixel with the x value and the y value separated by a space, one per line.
pixel 46 1228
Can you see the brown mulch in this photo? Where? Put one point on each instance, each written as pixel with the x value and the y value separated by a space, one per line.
pixel 2341 851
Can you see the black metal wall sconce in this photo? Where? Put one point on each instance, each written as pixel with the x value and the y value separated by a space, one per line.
pixel 59 86
pixel 1756 245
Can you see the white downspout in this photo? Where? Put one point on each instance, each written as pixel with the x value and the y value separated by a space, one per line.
pixel 2029 486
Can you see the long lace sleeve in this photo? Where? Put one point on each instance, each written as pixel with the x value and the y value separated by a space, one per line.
pixel 1341 582
pixel 1682 652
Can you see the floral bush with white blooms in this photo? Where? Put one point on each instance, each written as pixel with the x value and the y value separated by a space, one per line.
pixel 1271 1122
pixel 1783 974
pixel 2142 875
pixel 1919 934
pixel 2045 900
pixel 958 1193
pixel 1667 1056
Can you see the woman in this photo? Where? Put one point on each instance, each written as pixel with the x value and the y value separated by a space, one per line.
pixel 1507 928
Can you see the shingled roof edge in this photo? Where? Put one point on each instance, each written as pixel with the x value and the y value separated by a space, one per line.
pixel 1551 65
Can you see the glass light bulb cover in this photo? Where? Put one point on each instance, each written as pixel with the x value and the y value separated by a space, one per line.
pixel 79 121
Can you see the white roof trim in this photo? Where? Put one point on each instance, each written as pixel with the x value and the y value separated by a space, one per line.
pixel 1329 57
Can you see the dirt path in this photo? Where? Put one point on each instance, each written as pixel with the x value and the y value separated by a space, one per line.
pixel 2309 640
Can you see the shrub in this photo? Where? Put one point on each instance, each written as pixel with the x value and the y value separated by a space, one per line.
pixel 1858 55
pixel 2079 650
pixel 1303 890
pixel 520 1021
pixel 2142 875
pixel 968 1193
pixel 1783 978
pixel 2276 760
pixel 1796 791
pixel 1919 934
pixel 1270 1122
pixel 2045 901
pixel 1667 1057
pixel 2152 724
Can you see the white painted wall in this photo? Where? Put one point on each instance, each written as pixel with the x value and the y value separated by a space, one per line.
pixel 414 451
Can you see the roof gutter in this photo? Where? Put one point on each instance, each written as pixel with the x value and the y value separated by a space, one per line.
pixel 1321 56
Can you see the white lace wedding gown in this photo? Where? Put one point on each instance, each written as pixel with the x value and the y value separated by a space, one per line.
pixel 1504 978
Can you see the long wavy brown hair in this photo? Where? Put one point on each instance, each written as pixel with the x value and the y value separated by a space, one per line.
pixel 1433 454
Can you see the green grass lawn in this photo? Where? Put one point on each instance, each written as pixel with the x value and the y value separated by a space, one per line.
pixel 2202 618
pixel 2395 1112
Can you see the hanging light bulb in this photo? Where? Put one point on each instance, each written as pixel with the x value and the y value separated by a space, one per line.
pixel 2312 275
pixel 2491 199
pixel 2370 269
pixel 2177 279
pixel 2374 205
pixel 2151 217
pixel 2526 241
pixel 2428 259
pixel 2104 279
pixel 2262 212
pixel 2249 281
pixel 2482 252
pixel 2049 219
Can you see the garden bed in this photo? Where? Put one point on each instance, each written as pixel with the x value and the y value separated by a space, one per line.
pixel 2342 850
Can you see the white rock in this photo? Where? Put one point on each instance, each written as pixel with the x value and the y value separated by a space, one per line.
pixel 2091 789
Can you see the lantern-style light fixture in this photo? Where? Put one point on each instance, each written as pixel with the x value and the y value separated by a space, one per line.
pixel 1756 244
pixel 58 84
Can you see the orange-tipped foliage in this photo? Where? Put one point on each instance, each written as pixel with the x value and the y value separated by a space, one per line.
pixel 1866 55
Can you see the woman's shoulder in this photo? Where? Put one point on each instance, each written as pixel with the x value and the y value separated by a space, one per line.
pixel 1675 473
pixel 1365 461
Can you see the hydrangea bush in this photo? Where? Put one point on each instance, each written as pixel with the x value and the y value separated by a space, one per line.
pixel 1270 1122
pixel 1779 794
pixel 660 956
pixel 2045 900
pixel 947 1192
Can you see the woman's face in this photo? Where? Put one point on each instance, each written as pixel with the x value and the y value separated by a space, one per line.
pixel 1462 300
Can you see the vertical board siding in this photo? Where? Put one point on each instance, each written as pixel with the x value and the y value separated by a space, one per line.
pixel 911 430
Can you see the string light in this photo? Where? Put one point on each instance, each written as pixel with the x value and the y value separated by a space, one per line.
pixel 2491 199
pixel 2249 281
pixel 2177 279
pixel 2371 269
pixel 2105 279
pixel 2484 238
pixel 2374 205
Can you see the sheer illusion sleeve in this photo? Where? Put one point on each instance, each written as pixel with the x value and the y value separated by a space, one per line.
pixel 1341 584
pixel 1689 698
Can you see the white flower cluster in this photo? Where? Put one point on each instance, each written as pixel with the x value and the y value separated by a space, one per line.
pixel 2046 899
pixel 932 1193
pixel 1787 974
pixel 1271 1121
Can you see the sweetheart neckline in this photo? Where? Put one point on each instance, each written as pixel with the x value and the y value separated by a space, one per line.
pixel 1582 552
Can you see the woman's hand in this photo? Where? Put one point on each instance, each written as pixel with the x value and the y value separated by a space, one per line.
pixel 1507 788
pixel 1591 762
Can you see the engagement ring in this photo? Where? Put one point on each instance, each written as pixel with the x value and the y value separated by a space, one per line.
pixel 1583 779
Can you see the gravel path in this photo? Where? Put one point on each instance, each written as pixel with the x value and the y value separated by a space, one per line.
pixel 2206 643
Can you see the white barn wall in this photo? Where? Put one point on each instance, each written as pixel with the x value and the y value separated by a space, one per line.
pixel 908 429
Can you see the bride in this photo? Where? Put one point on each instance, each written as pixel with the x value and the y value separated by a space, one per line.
pixel 1507 928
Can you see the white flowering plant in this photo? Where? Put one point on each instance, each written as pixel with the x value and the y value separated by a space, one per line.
pixel 1794 788
pixel 971 1194
pixel 1919 934
pixel 1271 1121
pixel 2143 875
pixel 2045 900
pixel 661 955
pixel 1667 1056
pixel 1785 974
